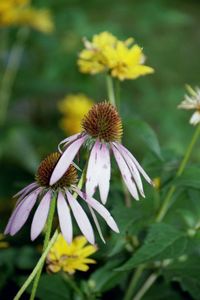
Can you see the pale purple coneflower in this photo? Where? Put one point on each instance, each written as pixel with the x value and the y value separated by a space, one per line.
pixel 102 128
pixel 66 203
pixel 192 101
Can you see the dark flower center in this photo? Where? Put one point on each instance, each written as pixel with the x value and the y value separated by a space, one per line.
pixel 103 122
pixel 46 168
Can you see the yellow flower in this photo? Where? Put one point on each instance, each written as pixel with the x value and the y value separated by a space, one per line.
pixel 74 107
pixel 3 244
pixel 69 258
pixel 125 62
pixel 106 53
pixel 18 12
pixel 92 59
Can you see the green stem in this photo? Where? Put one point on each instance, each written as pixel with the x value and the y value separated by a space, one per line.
pixel 11 72
pixel 46 242
pixel 37 267
pixel 133 283
pixel 110 90
pixel 166 203
pixel 73 284
pixel 117 93
pixel 146 286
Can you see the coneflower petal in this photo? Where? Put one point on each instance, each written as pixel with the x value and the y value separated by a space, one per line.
pixel 97 224
pixel 66 159
pixel 140 169
pixel 92 170
pixel 64 218
pixel 68 140
pixel 24 190
pixel 100 209
pixel 22 212
pixel 104 173
pixel 40 216
pixel 81 218
pixel 134 171
pixel 126 173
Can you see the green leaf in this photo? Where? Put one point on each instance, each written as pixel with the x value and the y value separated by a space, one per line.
pixel 163 241
pixel 105 278
pixel 143 131
pixel 187 273
pixel 190 178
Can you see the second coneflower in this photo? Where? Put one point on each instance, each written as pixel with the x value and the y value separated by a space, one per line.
pixel 66 203
pixel 102 132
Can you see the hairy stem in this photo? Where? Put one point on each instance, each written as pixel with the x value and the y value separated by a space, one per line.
pixel 133 283
pixel 110 90
pixel 146 286
pixel 46 242
pixel 37 267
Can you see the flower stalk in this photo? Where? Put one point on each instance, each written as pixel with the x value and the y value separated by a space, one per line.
pixel 46 242
pixel 110 90
pixel 37 267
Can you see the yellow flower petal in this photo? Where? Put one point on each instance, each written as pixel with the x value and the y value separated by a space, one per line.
pixel 70 258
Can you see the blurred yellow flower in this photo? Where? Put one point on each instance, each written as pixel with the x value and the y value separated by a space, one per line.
pixel 125 62
pixel 69 258
pixel 156 183
pixel 18 12
pixel 74 107
pixel 3 244
pixel 92 60
pixel 106 53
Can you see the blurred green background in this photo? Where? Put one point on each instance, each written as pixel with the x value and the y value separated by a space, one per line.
pixel 168 31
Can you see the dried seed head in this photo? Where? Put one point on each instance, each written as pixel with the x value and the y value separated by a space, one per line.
pixel 46 168
pixel 103 122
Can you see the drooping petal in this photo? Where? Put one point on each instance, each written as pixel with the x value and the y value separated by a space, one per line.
pixel 22 212
pixel 104 173
pixel 140 169
pixel 40 216
pixel 97 224
pixel 81 218
pixel 134 171
pixel 64 218
pixel 24 190
pixel 66 159
pixel 126 174
pixel 68 140
pixel 100 209
pixel 92 170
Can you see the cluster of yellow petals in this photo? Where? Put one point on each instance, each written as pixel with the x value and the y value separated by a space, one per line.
pixel 69 258
pixel 74 107
pixel 121 59
pixel 20 13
